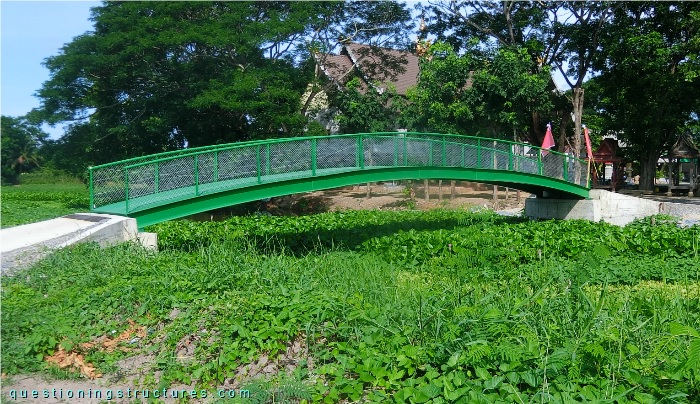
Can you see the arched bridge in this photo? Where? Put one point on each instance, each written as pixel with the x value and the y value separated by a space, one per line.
pixel 174 184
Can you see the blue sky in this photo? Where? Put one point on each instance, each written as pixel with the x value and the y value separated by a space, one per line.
pixel 31 31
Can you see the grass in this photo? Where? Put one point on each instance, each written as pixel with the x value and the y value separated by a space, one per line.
pixel 439 306
pixel 41 196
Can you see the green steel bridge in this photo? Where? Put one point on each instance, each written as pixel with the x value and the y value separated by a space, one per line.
pixel 175 184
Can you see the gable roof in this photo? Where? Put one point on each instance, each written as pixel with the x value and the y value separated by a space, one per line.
pixel 374 64
pixel 684 148
pixel 607 151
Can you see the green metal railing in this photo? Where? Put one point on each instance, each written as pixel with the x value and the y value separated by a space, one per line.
pixel 143 182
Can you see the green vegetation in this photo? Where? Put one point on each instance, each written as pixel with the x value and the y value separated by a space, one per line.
pixel 448 306
pixel 20 141
pixel 42 195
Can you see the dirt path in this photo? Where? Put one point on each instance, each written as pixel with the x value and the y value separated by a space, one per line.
pixel 397 196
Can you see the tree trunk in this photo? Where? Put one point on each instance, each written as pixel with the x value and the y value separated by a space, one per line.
pixel 426 186
pixel 369 190
pixel 563 124
pixel 577 103
pixel 648 172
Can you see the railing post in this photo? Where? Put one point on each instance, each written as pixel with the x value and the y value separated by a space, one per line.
pixel 510 157
pixel 257 162
pixel 267 159
pixel 539 161
pixel 478 153
pixel 126 190
pixel 396 151
pixel 360 153
pixel 196 174
pixel 156 179
pixel 216 166
pixel 565 173
pixel 430 153
pixel 495 155
pixel 92 189
pixel 313 157
pixel 405 150
pixel 444 152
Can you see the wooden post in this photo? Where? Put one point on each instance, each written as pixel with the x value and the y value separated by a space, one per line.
pixel 439 190
pixel 495 196
pixel 452 189
pixel 670 178
pixel 588 173
pixel 369 190
pixel 426 187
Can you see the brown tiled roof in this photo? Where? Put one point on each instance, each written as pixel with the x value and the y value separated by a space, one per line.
pixel 337 67
pixel 375 65
pixel 684 148
pixel 388 66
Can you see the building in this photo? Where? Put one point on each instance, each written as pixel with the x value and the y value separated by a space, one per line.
pixel 376 67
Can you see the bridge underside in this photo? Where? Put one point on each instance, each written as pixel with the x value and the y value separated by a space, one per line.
pixel 188 200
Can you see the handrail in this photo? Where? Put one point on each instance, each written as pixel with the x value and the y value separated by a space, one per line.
pixel 231 146
pixel 105 185
pixel 228 146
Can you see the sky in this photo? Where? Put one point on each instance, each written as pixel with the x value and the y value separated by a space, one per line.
pixel 31 31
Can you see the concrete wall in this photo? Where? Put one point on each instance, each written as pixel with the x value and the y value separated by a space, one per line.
pixel 24 245
pixel 606 206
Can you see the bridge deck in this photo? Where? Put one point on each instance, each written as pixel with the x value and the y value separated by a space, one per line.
pixel 240 172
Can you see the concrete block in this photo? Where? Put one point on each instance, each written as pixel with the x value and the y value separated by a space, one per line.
pixel 24 245
pixel 148 241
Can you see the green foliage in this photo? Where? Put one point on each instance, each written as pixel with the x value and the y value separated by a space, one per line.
pixel 44 194
pixel 493 94
pixel 649 108
pixel 373 111
pixel 439 306
pixel 158 76
pixel 21 141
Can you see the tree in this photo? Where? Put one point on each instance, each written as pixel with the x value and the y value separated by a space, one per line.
pixel 578 42
pixel 650 78
pixel 158 76
pixel 494 93
pixel 563 35
pixel 480 27
pixel 373 111
pixel 442 102
pixel 21 142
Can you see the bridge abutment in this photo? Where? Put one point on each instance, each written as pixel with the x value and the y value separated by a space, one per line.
pixel 24 245
pixel 605 206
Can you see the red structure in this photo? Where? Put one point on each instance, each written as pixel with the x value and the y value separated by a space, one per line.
pixel 606 156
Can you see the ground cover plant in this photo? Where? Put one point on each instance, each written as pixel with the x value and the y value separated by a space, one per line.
pixel 42 195
pixel 438 306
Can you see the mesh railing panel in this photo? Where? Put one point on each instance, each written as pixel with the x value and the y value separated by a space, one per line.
pixel 108 185
pixel 292 158
pixel 238 163
pixel 552 165
pixel 206 164
pixel 379 151
pixel 336 152
pixel 243 165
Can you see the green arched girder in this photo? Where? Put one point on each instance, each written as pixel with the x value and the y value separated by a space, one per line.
pixel 171 185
